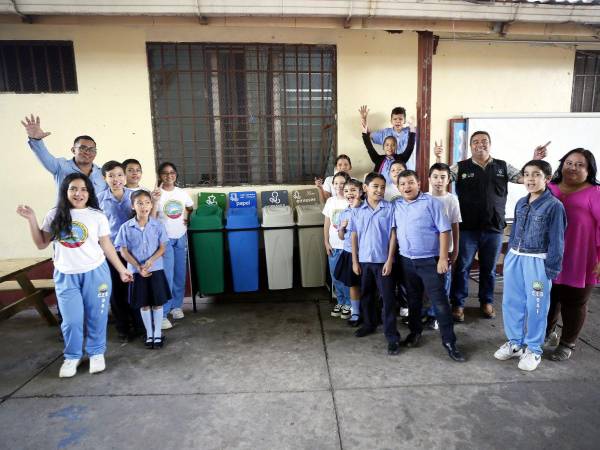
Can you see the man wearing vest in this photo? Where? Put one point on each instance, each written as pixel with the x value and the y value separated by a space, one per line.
pixel 482 189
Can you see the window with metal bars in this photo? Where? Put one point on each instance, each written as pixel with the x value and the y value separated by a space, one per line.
pixel 586 82
pixel 37 66
pixel 230 114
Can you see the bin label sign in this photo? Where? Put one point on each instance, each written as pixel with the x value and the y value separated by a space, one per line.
pixel 305 197
pixel 274 198
pixel 242 199
pixel 212 199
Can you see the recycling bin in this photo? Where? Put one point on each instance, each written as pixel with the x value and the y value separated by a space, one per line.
pixel 279 245
pixel 243 248
pixel 313 259
pixel 208 248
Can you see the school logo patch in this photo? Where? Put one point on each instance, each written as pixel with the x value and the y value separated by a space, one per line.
pixel 76 238
pixel 538 289
pixel 103 290
pixel 173 209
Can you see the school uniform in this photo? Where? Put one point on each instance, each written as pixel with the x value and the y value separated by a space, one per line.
pixel 418 225
pixel 534 259
pixel 343 269
pixel 373 228
pixel 333 208
pixel 118 211
pixel 405 140
pixel 171 210
pixel 82 281
pixel 383 163
pixel 142 243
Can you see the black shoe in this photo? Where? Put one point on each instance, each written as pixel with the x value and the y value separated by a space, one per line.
pixel 412 340
pixel 159 342
pixel 149 343
pixel 453 353
pixel 362 332
pixel 354 321
pixel 393 348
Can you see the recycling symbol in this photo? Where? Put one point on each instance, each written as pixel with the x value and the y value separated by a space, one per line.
pixel 211 200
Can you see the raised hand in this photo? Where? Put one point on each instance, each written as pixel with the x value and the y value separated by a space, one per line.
pixel 411 123
pixel 33 128
pixel 364 113
pixel 438 149
pixel 26 212
pixel 319 182
pixel 541 151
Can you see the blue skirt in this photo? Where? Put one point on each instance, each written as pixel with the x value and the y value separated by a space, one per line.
pixel 149 291
pixel 343 270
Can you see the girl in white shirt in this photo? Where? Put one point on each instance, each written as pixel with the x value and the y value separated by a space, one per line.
pixel 172 207
pixel 81 237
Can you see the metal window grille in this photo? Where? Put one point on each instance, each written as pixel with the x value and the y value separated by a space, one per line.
pixel 229 114
pixel 586 82
pixel 37 66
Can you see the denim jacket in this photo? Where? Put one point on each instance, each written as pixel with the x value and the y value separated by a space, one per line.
pixel 539 227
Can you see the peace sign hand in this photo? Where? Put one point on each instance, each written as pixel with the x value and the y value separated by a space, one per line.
pixel 33 128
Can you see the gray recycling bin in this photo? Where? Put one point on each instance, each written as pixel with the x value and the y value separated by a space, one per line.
pixel 313 259
pixel 279 245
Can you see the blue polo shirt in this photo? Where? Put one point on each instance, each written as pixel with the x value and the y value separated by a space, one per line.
pixel 142 244
pixel 61 167
pixel 418 226
pixel 373 228
pixel 117 211
pixel 345 215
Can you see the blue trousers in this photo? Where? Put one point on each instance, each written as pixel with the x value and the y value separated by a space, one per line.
pixel 488 244
pixel 341 290
pixel 84 298
pixel 175 266
pixel 420 275
pixel 525 301
pixel 372 279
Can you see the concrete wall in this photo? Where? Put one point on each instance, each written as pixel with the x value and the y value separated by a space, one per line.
pixel 374 67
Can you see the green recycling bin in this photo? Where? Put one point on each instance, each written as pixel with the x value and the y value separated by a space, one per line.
pixel 206 224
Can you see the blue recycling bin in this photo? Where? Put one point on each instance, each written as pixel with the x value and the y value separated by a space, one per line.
pixel 243 248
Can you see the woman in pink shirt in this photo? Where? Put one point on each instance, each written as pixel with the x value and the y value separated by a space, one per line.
pixel 575 185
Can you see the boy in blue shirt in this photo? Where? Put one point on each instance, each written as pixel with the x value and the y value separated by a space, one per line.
pixel 423 233
pixel 115 202
pixel 373 248
pixel 535 258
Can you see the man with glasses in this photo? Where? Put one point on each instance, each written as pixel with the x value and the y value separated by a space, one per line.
pixel 84 151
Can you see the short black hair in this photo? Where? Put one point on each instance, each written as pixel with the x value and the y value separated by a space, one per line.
pixel 130 161
pixel 110 165
pixel 398 110
pixel 480 132
pixel 408 173
pixel 86 137
pixel 346 157
pixel 440 167
pixel 355 183
pixel 591 162
pixel 400 162
pixel 544 166
pixel 372 176
pixel 344 175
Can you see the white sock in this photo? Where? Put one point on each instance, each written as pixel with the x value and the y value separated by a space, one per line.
pixel 147 318
pixel 157 315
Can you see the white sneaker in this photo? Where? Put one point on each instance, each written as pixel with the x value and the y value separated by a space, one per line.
pixel 403 312
pixel 346 312
pixel 69 368
pixel 97 363
pixel 529 361
pixel 507 351
pixel 177 313
pixel 166 324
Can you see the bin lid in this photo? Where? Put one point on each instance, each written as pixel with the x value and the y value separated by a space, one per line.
pixel 207 217
pixel 309 215
pixel 277 216
pixel 242 218
pixel 213 198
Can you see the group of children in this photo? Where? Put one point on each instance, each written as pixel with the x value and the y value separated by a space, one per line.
pixel 144 281
pixel 385 236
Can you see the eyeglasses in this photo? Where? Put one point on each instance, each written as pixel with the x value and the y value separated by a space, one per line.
pixel 85 148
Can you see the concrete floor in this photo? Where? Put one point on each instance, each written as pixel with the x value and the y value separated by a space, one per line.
pixel 285 375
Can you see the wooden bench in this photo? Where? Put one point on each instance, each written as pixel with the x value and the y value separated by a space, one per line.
pixel 13 278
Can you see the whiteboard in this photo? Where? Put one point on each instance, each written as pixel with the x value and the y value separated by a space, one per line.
pixel 515 136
